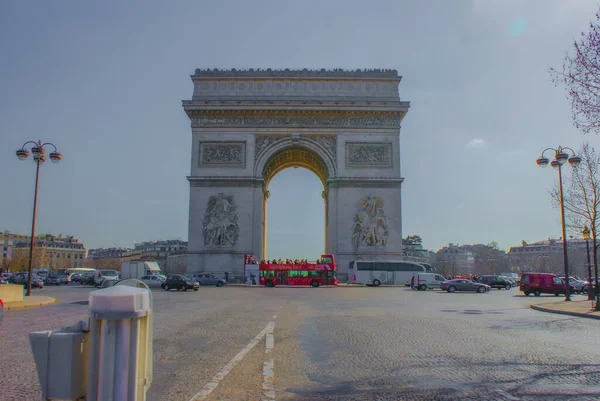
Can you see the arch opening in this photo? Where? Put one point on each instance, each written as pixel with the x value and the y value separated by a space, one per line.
pixel 295 157
pixel 299 204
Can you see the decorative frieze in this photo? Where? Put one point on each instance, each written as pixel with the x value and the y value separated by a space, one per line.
pixel 389 121
pixel 261 142
pixel 327 142
pixel 365 154
pixel 222 153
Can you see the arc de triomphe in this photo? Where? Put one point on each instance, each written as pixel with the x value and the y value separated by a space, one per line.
pixel 248 125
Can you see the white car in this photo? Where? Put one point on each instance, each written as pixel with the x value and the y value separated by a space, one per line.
pixel 153 281
pixel 423 281
pixel 105 275
pixel 577 284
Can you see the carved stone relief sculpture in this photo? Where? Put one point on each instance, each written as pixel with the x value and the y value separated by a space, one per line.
pixel 370 227
pixel 261 142
pixel 369 154
pixel 220 225
pixel 216 153
pixel 326 141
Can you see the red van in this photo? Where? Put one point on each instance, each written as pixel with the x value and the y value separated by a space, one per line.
pixel 542 283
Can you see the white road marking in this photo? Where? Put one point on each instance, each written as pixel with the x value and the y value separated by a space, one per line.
pixel 269 343
pixel 268 380
pixel 268 385
pixel 506 395
pixel 216 379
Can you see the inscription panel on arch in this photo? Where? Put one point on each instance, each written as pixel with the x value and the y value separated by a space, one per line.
pixel 222 154
pixel 368 154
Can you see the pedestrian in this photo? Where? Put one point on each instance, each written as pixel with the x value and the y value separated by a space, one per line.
pixel 226 276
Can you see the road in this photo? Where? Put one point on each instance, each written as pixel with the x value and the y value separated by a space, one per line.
pixel 345 343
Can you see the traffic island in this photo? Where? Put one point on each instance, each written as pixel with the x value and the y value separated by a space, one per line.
pixel 573 308
pixel 33 301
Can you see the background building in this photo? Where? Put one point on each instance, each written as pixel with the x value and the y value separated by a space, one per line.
pixel 50 251
pixel 159 251
pixel 547 256
pixel 455 260
pixel 7 241
pixel 108 253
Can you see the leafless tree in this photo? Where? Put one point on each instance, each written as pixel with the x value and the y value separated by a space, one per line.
pixel 581 77
pixel 581 195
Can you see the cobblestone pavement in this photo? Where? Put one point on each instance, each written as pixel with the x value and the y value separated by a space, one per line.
pixel 394 344
pixel 346 343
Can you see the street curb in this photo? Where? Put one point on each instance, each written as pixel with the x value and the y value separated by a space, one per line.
pixel 562 312
pixel 23 305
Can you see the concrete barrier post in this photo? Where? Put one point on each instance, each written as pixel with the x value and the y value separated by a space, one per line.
pixel 120 361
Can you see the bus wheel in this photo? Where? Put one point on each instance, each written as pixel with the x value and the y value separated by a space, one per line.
pixel 269 283
pixel 376 283
pixel 314 284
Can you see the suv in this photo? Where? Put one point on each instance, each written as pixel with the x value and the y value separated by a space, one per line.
pixel 496 282
pixel 180 282
pixel 542 283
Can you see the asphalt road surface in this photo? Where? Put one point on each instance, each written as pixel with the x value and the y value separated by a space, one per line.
pixel 344 343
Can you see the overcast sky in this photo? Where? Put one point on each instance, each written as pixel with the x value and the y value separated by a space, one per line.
pixel 104 82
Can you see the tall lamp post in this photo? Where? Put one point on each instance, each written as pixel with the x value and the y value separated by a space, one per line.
pixel 561 156
pixel 38 151
pixel 586 237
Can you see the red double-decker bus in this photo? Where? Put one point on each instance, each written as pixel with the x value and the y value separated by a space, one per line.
pixel 313 274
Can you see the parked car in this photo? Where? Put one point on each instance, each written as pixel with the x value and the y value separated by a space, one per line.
pixel 542 283
pixel 36 281
pixel 65 278
pixel 75 277
pixel 53 279
pixel 180 283
pixel 424 281
pixel 512 282
pixel 8 277
pixel 102 275
pixel 494 281
pixel 460 284
pixel 153 281
pixel 209 279
pixel 577 284
pixel 87 279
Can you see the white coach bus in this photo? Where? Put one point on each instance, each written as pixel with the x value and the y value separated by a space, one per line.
pixel 377 272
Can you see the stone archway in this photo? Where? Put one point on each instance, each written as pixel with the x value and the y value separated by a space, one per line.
pixel 286 155
pixel 247 126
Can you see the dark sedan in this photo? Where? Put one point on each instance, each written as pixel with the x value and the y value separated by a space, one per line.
pixel 180 283
pixel 463 285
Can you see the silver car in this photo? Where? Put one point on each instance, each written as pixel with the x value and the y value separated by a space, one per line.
pixel 209 279
pixel 464 285
pixel 153 281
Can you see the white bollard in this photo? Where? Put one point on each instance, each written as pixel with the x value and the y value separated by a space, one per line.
pixel 120 359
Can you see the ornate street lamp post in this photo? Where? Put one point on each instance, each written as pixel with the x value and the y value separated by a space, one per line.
pixel 37 149
pixel 561 157
pixel 586 236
